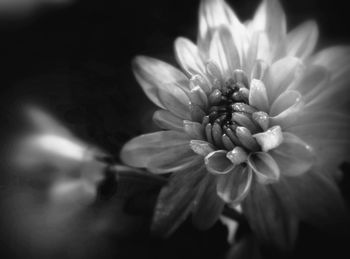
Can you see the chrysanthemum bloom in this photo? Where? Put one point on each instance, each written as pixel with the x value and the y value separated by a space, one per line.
pixel 255 118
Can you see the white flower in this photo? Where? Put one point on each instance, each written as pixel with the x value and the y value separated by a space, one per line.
pixel 255 118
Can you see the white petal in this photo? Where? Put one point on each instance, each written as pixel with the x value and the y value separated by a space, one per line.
pixel 302 40
pixel 188 56
pixel 214 14
pixel 201 147
pixel 291 113
pixel 224 52
pixel 217 163
pixel 153 75
pixel 293 156
pixel 166 120
pixel 194 130
pixel 280 75
pixel 284 101
pixel 259 49
pixel 270 17
pixel 258 96
pixel 269 139
pixel 138 151
pixel 234 186
pixel 264 167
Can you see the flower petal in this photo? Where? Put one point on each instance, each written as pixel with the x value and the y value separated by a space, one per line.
pixel 207 206
pixel 289 105
pixel 201 147
pixel 293 156
pixel 138 151
pixel 217 162
pixel 194 130
pixel 176 199
pixel 214 14
pixel 264 167
pixel 171 160
pixel 280 75
pixel 153 75
pixel 188 56
pixel 285 101
pixel 270 17
pixel 269 139
pixel 258 95
pixel 224 52
pixel 302 40
pixel 234 186
pixel 270 217
pixel 166 120
pixel 311 82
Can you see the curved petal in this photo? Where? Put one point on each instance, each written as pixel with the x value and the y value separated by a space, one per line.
pixel 153 75
pixel 166 120
pixel 269 139
pixel 217 162
pixel 258 96
pixel 302 40
pixel 280 75
pixel 138 151
pixel 293 156
pixel 234 186
pixel 207 205
pixel 188 56
pixel 176 199
pixel 224 52
pixel 264 167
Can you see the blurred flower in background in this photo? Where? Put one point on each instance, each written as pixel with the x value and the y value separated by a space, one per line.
pixel 255 118
pixel 24 8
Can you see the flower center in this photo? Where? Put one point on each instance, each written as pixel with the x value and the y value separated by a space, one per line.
pixel 230 121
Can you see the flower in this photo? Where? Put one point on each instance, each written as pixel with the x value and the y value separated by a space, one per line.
pixel 255 118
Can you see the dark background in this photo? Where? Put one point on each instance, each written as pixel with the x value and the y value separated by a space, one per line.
pixel 75 62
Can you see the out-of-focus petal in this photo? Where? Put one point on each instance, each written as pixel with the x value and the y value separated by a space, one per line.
pixel 166 120
pixel 280 75
pixel 258 95
pixel 286 109
pixel 302 40
pixel 217 162
pixel 234 186
pixel 270 217
pixel 337 60
pixel 189 57
pixel 224 52
pixel 270 17
pixel 208 205
pixel 311 82
pixel 214 14
pixel 264 167
pixel 138 151
pixel 176 199
pixel 293 156
pixel 315 199
pixel 153 75
pixel 284 101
